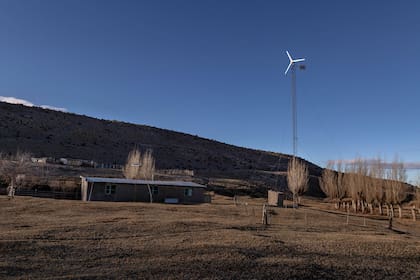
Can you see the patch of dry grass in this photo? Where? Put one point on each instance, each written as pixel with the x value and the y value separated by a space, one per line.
pixel 42 238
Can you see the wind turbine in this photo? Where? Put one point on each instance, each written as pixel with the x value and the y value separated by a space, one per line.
pixel 292 63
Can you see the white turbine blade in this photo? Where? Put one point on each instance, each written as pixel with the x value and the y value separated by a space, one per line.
pixel 290 58
pixel 299 60
pixel 288 67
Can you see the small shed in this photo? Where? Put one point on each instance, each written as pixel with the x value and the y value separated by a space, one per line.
pixel 275 198
pixel 119 189
pixel 42 160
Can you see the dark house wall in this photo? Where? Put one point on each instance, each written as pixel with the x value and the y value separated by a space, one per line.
pixel 179 193
pixel 140 193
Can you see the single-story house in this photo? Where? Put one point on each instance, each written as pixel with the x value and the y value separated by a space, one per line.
pixel 119 189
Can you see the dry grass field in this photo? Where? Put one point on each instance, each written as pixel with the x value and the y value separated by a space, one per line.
pixel 58 239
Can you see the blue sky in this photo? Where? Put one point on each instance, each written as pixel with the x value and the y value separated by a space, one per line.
pixel 216 69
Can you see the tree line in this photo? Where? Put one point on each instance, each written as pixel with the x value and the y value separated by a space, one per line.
pixel 363 185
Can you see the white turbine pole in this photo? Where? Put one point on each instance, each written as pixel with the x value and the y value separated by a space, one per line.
pixel 291 66
pixel 294 111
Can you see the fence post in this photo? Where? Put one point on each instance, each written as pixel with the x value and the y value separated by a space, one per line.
pixel 264 215
pixel 348 213
pixel 390 222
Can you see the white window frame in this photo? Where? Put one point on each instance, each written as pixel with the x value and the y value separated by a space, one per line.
pixel 110 189
pixel 188 192
pixel 155 190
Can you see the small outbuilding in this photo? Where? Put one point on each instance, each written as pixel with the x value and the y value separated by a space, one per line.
pixel 118 189
pixel 42 160
pixel 275 198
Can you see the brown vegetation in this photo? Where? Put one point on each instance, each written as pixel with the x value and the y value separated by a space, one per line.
pixel 13 168
pixel 138 166
pixel 367 185
pixel 297 178
pixel 42 238
pixel 332 184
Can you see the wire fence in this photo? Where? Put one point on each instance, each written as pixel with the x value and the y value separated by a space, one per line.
pixel 324 220
pixel 49 194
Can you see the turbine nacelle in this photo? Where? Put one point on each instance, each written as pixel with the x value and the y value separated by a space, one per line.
pixel 292 61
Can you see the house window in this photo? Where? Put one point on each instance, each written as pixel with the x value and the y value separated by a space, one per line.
pixel 155 190
pixel 110 189
pixel 188 192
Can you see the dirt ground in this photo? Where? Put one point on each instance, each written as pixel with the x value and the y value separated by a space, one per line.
pixel 62 239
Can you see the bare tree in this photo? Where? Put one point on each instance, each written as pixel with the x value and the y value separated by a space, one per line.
pixel 388 198
pixel 351 183
pixel 14 168
pixel 379 194
pixel 416 198
pixel 147 168
pixel 367 183
pixel 397 192
pixel 374 185
pixel 297 178
pixel 332 183
pixel 362 182
pixel 341 187
pixel 347 182
pixel 370 193
pixel 400 194
pixel 377 172
pixel 356 182
pixel 328 182
pixel 132 166
pixel 138 166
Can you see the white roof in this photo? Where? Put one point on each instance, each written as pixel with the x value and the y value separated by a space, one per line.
pixel 142 182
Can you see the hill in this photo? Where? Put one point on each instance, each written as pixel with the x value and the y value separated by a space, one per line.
pixel 48 133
